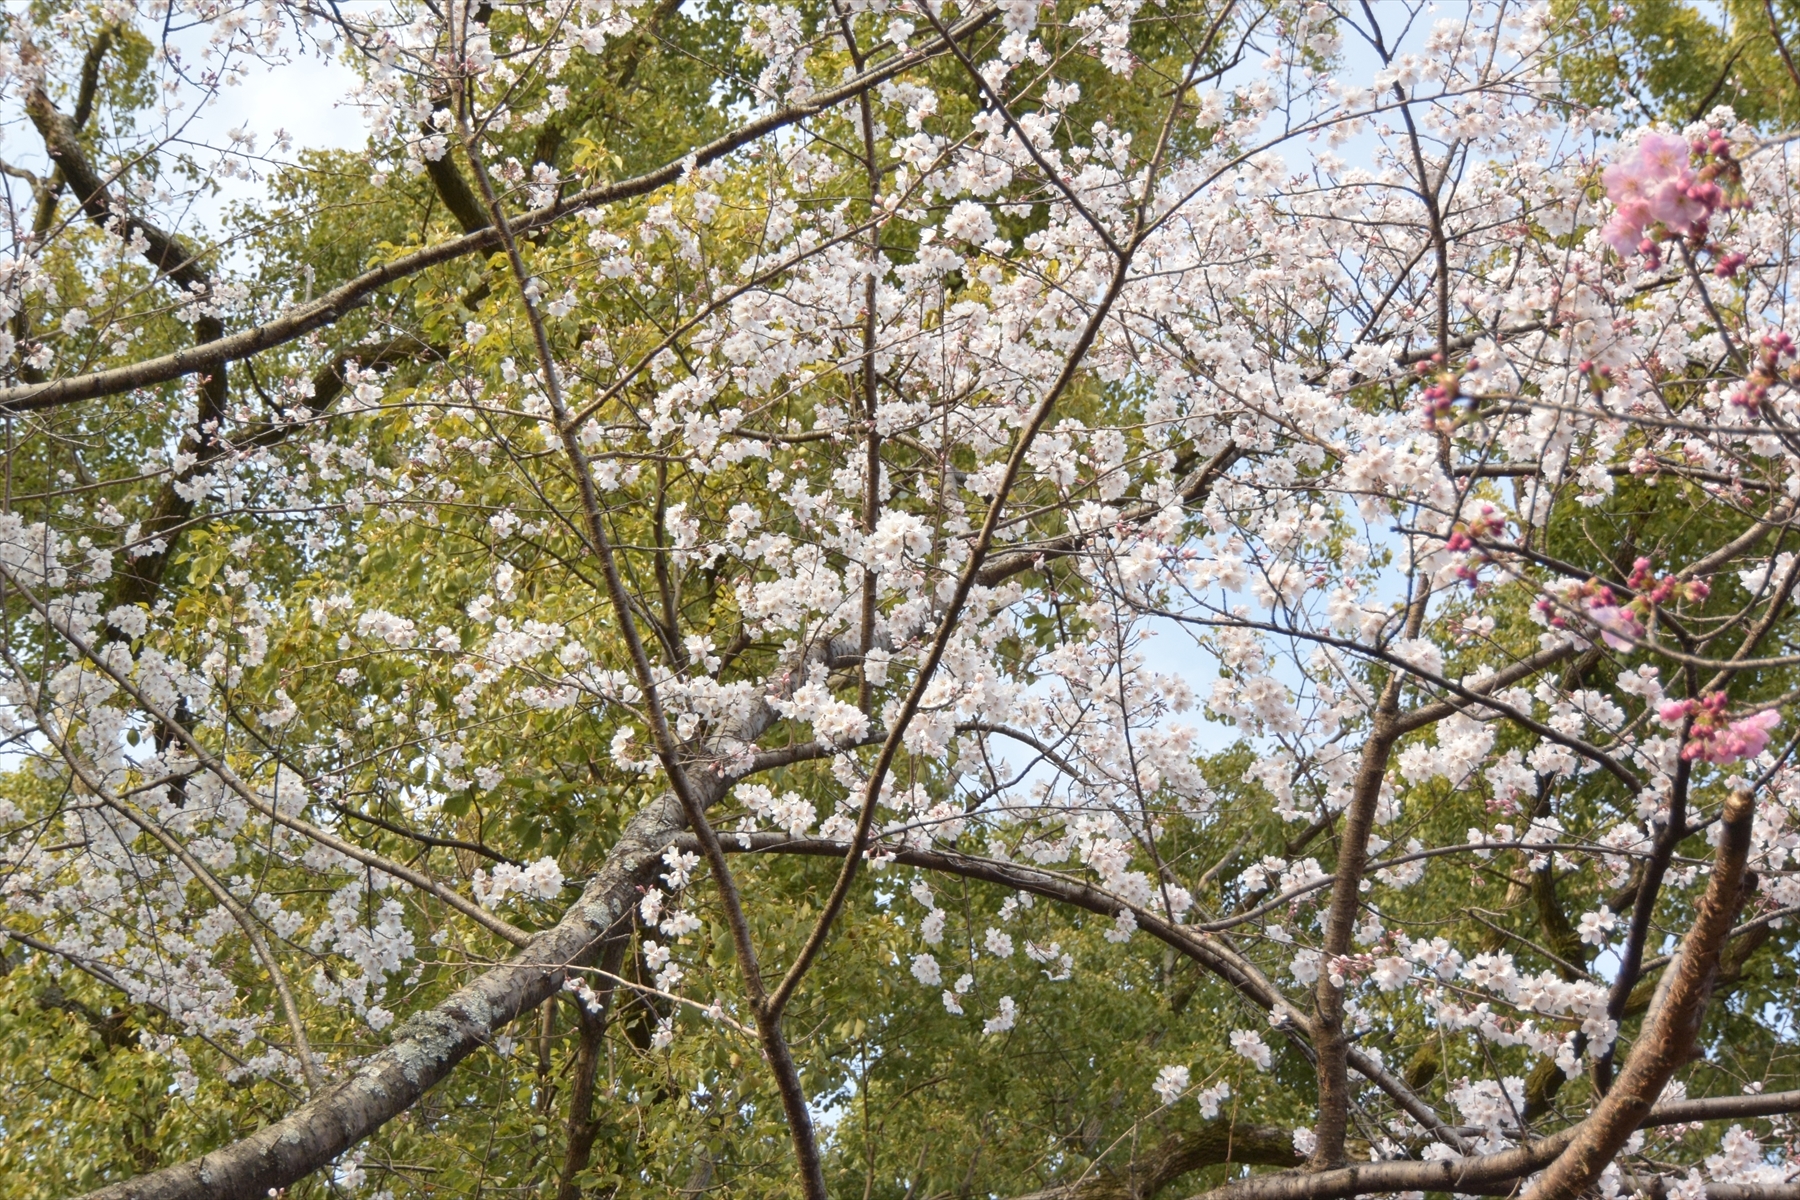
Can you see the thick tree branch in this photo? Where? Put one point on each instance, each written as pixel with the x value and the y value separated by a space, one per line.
pixel 1487 1173
pixel 1329 1042
pixel 49 191
pixel 426 1047
pixel 458 197
pixel 582 1124
pixel 1669 1033
pixel 201 444
pixel 62 141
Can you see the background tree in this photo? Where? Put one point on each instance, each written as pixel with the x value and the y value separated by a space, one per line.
pixel 1054 600
pixel 1675 60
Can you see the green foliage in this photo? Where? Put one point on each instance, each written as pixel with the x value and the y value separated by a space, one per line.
pixel 913 1099
pixel 1676 60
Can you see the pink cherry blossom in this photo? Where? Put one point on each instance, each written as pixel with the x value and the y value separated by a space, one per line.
pixel 1713 739
pixel 1662 155
pixel 1655 186
pixel 1619 627
pixel 1673 712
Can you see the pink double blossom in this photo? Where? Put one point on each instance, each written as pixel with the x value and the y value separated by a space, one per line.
pixel 1656 186
pixel 1619 627
pixel 1746 738
pixel 1622 624
pixel 1713 739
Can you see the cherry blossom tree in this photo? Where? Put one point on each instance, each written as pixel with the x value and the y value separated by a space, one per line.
pixel 1061 600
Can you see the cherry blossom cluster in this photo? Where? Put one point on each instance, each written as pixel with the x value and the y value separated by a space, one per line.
pixel 1659 194
pixel 1271 474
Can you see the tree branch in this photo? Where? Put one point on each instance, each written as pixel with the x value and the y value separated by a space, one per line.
pixel 1482 1174
pixel 1669 1032
pixel 426 1047
pixel 1151 1170
pixel 1194 490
